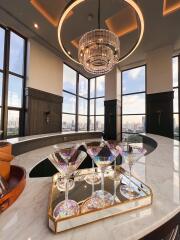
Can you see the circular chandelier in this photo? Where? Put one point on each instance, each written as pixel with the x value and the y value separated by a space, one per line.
pixel 99 49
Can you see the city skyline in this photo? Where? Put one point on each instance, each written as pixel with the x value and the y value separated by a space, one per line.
pixel 82 126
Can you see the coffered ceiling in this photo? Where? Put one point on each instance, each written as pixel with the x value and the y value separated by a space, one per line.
pixel 162 21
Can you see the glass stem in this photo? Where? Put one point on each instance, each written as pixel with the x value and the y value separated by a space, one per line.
pixel 114 180
pixel 93 176
pixel 130 175
pixel 66 188
pixel 115 169
pixel 102 179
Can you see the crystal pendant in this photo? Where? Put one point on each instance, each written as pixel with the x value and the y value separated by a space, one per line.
pixel 99 51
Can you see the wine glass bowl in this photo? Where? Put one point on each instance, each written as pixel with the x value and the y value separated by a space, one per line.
pixel 93 178
pixel 130 154
pixel 66 161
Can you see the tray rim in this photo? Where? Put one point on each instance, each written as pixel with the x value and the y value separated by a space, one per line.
pixel 56 221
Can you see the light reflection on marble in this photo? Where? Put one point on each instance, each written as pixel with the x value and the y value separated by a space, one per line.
pixel 27 218
pixel 39 136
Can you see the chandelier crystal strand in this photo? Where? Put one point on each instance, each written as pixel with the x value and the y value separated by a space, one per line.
pixel 99 51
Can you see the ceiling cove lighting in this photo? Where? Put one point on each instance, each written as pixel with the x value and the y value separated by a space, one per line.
pixel 99 49
pixel 44 13
pixel 170 6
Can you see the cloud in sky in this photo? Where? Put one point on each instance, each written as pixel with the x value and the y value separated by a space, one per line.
pixel 83 86
pixel 175 104
pixel 134 80
pixel 133 104
pixel 69 103
pixel 69 79
pixel 175 72
pixel 16 53
pixel 69 83
pixel 134 73
pixel 100 85
pixel 82 106
pixel 1 48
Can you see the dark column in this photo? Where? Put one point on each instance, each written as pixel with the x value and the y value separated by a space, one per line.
pixel 110 125
pixel 160 114
pixel 43 112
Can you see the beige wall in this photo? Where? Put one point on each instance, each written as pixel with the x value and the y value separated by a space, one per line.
pixel 112 92
pixel 159 74
pixel 113 84
pixel 159 70
pixel 45 69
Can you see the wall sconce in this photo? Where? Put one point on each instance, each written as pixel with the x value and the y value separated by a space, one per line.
pixel 47 117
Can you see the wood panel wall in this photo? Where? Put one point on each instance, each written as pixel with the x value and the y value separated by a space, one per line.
pixel 160 113
pixel 43 112
pixel 110 125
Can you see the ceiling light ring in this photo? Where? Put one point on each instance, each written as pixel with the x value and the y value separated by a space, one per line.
pixel 76 3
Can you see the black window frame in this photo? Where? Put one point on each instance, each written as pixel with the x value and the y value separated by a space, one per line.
pixel 133 93
pixel 178 88
pixel 76 114
pixel 88 98
pixel 95 115
pixel 6 72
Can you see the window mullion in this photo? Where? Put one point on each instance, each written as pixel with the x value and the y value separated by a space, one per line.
pixel 88 105
pixel 95 104
pixel 179 92
pixel 5 83
pixel 22 112
pixel 77 102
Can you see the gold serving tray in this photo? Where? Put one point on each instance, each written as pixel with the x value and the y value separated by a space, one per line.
pixel 82 191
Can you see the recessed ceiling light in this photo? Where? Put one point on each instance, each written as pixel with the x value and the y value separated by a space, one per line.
pixel 36 26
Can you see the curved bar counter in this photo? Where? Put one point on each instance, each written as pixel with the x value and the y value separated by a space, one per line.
pixel 160 170
pixel 29 143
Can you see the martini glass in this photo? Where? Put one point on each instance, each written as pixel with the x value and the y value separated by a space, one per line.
pixel 130 155
pixel 103 156
pixel 68 151
pixel 67 161
pixel 94 178
pixel 115 148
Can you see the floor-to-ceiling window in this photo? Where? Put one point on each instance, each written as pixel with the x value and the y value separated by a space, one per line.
pixel 13 49
pixel 83 101
pixel 69 99
pixel 133 101
pixel 75 101
pixel 175 62
pixel 97 93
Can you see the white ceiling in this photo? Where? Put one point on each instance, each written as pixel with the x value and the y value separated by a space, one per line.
pixel 159 30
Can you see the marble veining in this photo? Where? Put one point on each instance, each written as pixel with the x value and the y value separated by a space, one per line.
pixel 27 218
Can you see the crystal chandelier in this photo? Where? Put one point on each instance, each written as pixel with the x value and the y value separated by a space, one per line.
pixel 99 50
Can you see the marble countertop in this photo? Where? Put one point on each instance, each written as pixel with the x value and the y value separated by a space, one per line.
pixel 27 218
pixel 41 136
